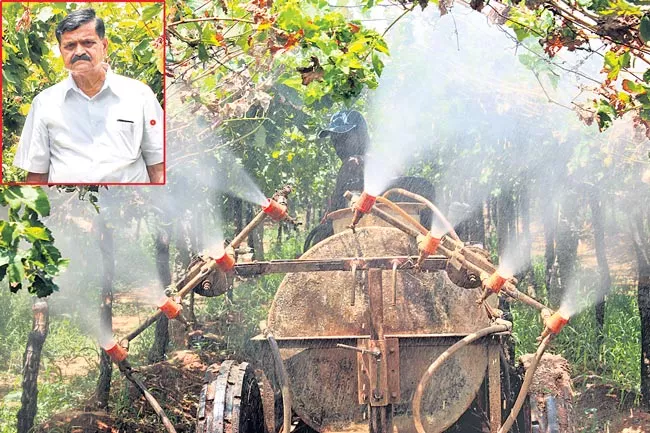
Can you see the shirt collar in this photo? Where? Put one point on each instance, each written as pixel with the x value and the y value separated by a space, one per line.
pixel 69 84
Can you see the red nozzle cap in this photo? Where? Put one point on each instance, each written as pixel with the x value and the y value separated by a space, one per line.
pixel 428 244
pixel 365 202
pixel 170 308
pixel 275 210
pixel 226 262
pixel 556 322
pixel 116 352
pixel 495 282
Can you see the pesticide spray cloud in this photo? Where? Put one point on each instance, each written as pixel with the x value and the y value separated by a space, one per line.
pixel 473 114
pixel 232 178
pixel 580 295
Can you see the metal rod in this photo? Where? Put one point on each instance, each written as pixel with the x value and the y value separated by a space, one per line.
pixel 479 264
pixel 283 378
pixel 188 287
pixel 433 263
pixel 381 419
pixel 411 231
pixel 259 218
pixel 403 214
pixel 494 385
pixel 359 349
pixel 144 325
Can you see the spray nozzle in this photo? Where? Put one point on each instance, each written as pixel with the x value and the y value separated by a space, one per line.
pixel 275 210
pixel 427 245
pixel 554 323
pixel 491 284
pixel 494 282
pixel 169 307
pixel 362 206
pixel 114 351
pixel 226 262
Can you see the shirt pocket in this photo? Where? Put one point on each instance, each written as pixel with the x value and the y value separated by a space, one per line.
pixel 124 138
pixel 124 125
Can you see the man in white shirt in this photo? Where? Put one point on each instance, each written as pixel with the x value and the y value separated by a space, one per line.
pixel 95 126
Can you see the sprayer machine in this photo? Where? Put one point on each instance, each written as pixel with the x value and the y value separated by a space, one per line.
pixel 385 326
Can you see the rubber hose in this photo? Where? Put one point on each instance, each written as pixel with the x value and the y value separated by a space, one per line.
pixel 434 209
pixel 403 213
pixel 528 379
pixel 435 365
pixel 125 368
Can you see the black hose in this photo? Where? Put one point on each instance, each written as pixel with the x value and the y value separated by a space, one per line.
pixel 125 368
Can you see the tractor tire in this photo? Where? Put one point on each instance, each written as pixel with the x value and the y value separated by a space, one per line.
pixel 230 400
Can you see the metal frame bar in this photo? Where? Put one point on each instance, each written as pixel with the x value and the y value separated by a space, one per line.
pixel 435 263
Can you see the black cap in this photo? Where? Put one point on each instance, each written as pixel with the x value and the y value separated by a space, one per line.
pixel 343 122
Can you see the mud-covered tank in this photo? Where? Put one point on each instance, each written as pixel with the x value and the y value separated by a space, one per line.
pixel 356 342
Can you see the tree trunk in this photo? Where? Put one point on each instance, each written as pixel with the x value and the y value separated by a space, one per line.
pixel 184 242
pixel 198 235
pixel 642 249
pixel 550 217
pixel 566 246
pixel 506 215
pixel 159 347
pixel 238 214
pixel 106 246
pixel 605 282
pixel 256 238
pixel 31 363
pixel 525 244
pixel 308 217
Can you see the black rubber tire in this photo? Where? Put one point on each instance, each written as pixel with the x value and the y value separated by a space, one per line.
pixel 230 400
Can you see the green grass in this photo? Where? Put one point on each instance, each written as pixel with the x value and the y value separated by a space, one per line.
pixel 15 324
pixel 65 343
pixel 616 362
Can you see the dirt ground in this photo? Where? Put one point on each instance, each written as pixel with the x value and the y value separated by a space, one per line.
pixel 599 408
pixel 176 383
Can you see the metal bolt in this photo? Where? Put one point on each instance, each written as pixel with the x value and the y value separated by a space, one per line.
pixel 364 396
pixel 378 394
pixel 391 350
pixel 393 394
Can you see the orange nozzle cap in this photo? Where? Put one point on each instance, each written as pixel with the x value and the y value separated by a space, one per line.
pixel 275 210
pixel 495 282
pixel 428 244
pixel 226 262
pixel 116 352
pixel 170 308
pixel 365 202
pixel 556 322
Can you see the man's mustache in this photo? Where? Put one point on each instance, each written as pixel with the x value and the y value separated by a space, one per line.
pixel 81 57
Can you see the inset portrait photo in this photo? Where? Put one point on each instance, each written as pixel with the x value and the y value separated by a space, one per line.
pixel 83 93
